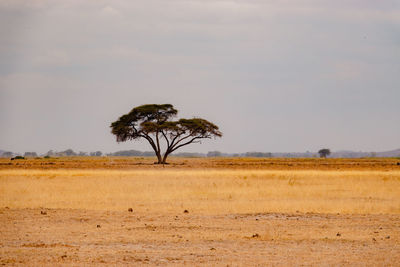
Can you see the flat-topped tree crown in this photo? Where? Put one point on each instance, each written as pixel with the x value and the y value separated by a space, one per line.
pixel 323 153
pixel 141 119
pixel 199 127
pixel 153 123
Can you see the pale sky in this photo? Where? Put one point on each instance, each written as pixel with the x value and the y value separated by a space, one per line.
pixel 273 75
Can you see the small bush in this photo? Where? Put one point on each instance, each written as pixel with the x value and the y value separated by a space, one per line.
pixel 46 157
pixel 19 157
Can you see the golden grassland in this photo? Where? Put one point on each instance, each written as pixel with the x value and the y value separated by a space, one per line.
pixel 204 191
pixel 202 163
pixel 252 212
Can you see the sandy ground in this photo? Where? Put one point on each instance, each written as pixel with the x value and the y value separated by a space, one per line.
pixel 37 237
pixel 90 224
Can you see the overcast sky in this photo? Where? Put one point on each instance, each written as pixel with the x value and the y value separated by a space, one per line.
pixel 273 75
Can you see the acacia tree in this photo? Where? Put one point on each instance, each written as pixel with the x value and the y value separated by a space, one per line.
pixel 323 153
pixel 153 123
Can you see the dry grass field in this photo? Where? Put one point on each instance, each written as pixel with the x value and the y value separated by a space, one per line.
pixel 146 163
pixel 219 212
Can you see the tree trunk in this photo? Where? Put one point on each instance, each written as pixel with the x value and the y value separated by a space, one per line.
pixel 167 152
pixel 159 158
pixel 164 160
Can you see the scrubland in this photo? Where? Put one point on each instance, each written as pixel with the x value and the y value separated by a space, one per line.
pixel 194 211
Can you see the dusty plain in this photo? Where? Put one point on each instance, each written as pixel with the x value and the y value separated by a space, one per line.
pixel 202 212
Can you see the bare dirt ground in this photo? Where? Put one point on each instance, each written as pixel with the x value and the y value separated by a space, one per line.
pixel 83 237
pixel 300 213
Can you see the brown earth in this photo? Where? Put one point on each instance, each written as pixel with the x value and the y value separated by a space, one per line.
pixel 90 223
pixel 202 163
pixel 83 237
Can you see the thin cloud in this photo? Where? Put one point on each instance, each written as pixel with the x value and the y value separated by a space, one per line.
pixel 276 68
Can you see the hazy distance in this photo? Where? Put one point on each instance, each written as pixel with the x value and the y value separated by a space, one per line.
pixel 273 75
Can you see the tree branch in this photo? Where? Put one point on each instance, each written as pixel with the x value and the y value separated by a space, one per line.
pixel 158 143
pixel 166 138
pixel 150 140
pixel 184 144
pixel 174 139
pixel 180 140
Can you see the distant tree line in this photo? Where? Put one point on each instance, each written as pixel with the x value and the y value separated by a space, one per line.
pixel 51 153
pixel 211 154
pixel 132 153
pixel 71 153
pixel 137 153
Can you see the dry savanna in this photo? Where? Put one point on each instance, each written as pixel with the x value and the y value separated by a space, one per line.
pixel 217 211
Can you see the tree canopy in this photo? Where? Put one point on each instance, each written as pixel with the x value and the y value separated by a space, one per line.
pixel 153 123
pixel 323 153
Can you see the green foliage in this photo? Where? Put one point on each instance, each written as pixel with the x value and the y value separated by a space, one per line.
pixel 199 126
pixel 323 153
pixel 147 117
pixel 153 123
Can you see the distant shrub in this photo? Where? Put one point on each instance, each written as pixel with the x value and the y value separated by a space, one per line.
pixel 46 157
pixel 68 153
pixel 19 157
pixel 323 153
pixel 96 154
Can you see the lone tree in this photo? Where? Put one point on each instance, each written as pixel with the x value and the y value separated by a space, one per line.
pixel 153 123
pixel 323 153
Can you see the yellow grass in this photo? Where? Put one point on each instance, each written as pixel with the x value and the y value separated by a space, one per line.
pixel 204 191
